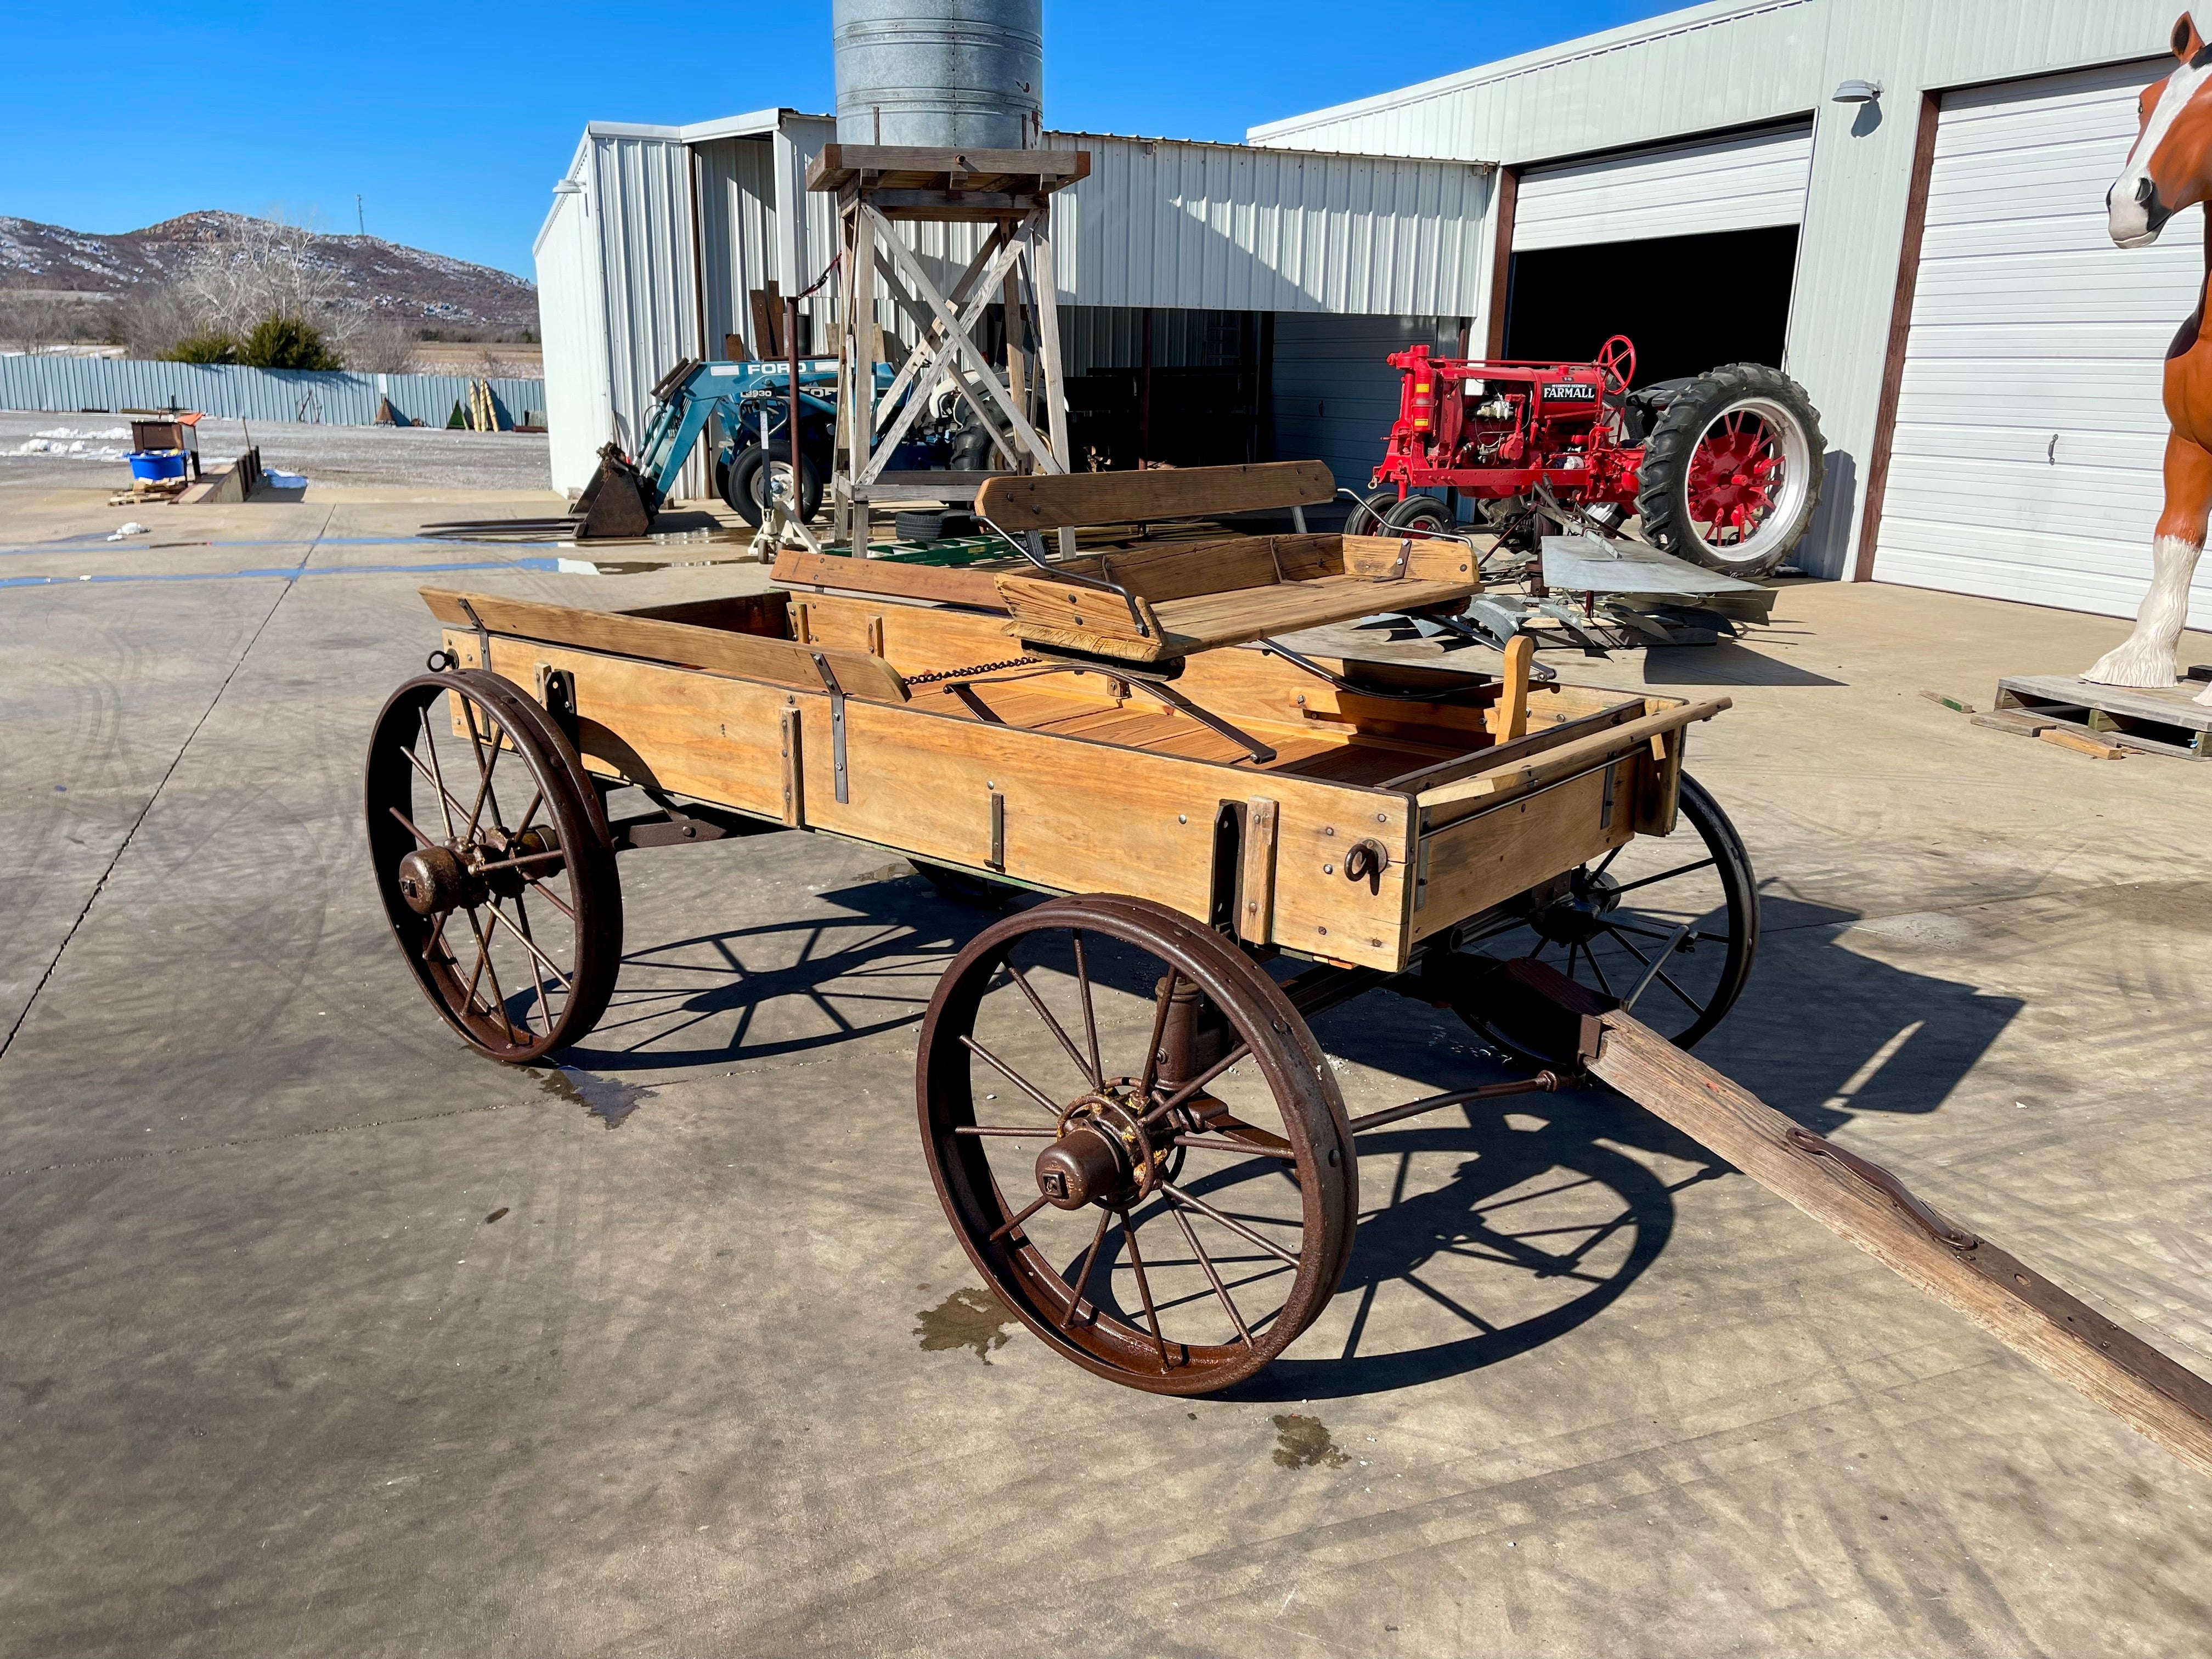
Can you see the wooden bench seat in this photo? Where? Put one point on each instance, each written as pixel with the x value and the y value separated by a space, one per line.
pixel 1171 602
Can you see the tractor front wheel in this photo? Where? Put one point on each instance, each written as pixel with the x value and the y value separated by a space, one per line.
pixel 1732 474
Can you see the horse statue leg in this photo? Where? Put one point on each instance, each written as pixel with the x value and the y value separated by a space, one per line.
pixel 2147 656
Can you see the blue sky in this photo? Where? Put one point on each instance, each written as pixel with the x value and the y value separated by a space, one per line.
pixel 452 121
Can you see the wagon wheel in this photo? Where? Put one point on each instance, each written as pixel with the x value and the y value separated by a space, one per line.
pixel 492 856
pixel 1097 1066
pixel 1618 920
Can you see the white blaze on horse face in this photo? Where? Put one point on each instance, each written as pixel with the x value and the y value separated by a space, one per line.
pixel 2132 198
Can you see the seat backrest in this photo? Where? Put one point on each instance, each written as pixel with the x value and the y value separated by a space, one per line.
pixel 1046 500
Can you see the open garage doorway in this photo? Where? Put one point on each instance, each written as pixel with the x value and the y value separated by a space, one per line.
pixel 1688 302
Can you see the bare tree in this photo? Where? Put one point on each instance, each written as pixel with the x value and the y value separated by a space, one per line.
pixel 259 268
pixel 32 320
pixel 152 317
pixel 377 345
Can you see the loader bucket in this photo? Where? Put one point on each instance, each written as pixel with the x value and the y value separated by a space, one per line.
pixel 615 503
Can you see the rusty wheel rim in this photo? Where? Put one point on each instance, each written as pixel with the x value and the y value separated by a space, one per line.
pixel 493 864
pixel 1169 1215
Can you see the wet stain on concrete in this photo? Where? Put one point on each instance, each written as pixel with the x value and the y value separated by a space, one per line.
pixel 609 1099
pixel 972 1318
pixel 1303 1442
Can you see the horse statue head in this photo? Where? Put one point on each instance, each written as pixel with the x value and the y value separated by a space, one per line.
pixel 2170 168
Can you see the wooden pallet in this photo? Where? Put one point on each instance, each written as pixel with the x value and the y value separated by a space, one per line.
pixel 2149 721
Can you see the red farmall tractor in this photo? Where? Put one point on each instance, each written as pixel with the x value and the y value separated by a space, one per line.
pixel 1723 468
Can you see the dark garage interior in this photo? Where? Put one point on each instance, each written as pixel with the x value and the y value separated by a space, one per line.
pixel 1688 302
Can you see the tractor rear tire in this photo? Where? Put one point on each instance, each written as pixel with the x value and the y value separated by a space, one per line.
pixel 1733 470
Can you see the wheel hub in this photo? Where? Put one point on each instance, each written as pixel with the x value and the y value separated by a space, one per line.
pixel 433 880
pixel 1578 915
pixel 1103 1154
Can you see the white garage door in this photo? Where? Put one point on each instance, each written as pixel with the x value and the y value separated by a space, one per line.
pixel 1741 182
pixel 2026 455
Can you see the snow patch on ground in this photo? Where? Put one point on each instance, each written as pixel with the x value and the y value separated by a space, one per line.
pixel 75 449
pixel 104 432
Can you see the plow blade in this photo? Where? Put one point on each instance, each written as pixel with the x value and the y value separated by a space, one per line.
pixel 1860 1201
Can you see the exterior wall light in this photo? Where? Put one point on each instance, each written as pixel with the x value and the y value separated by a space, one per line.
pixel 1859 92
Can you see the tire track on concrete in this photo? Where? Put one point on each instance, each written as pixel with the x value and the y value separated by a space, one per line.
pixel 170 771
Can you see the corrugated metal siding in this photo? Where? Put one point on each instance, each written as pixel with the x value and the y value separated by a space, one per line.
pixel 1714 67
pixel 579 410
pixel 1219 226
pixel 334 398
pixel 1335 396
pixel 736 223
pixel 2030 429
pixel 641 206
pixel 1741 182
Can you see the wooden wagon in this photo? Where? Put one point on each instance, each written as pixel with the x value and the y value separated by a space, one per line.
pixel 1233 835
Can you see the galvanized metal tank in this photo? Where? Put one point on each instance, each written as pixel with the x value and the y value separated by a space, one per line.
pixel 960 74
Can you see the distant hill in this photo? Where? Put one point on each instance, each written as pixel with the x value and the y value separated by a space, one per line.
pixel 423 289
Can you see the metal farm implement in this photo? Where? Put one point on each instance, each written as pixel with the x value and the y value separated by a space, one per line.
pixel 1128 1122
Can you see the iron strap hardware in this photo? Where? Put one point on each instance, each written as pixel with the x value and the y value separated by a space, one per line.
pixel 484 636
pixel 837 722
pixel 1936 1227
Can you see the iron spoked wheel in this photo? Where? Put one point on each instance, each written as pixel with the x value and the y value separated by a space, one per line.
pixel 1622 917
pixel 1097 1067
pixel 493 860
pixel 1732 474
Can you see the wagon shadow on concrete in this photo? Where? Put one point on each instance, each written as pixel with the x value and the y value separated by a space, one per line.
pixel 1824 1033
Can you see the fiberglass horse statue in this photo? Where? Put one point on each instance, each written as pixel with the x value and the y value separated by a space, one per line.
pixel 2171 168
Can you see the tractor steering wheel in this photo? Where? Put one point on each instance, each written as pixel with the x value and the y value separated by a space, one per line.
pixel 1616 358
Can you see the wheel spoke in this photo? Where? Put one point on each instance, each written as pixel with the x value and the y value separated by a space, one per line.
pixel 1590 956
pixel 484 768
pixel 1011 1075
pixel 446 801
pixel 410 825
pixel 1021 1135
pixel 1241 1051
pixel 1004 1228
pixel 550 897
pixel 1664 875
pixel 516 863
pixel 537 979
pixel 1213 1278
pixel 437 774
pixel 1083 1275
pixel 491 973
pixel 1022 981
pixel 1143 1290
pixel 1191 1200
pixel 1242 1149
pixel 543 960
pixel 1090 1018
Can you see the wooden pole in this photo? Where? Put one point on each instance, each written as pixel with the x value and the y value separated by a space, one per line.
pixel 1862 1202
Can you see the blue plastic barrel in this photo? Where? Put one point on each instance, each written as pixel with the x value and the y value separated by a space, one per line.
pixel 156 462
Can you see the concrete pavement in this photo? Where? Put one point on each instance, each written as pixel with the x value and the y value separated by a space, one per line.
pixel 274 1377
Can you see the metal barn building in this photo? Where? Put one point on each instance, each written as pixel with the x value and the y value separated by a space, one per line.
pixel 1218 302
pixel 1932 266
